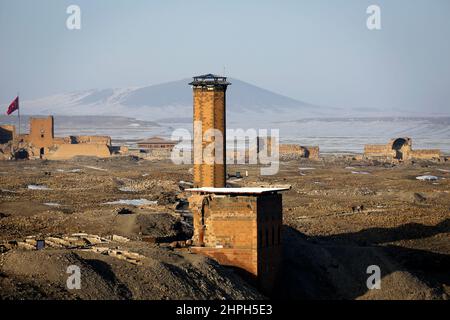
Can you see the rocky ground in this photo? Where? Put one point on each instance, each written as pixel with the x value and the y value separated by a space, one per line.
pixel 340 217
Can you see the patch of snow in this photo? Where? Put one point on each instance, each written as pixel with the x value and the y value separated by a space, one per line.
pixel 127 189
pixel 427 178
pixel 95 168
pixel 360 172
pixel 135 202
pixel 52 204
pixel 247 190
pixel 37 187
pixel 70 171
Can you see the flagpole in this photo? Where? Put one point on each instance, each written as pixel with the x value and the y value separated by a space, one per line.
pixel 18 109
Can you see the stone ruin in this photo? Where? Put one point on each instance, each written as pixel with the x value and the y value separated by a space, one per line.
pixel 399 150
pixel 294 152
pixel 288 151
pixel 40 143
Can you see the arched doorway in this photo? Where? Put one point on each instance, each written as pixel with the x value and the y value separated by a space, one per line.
pixel 41 153
pixel 305 153
pixel 22 154
pixel 398 147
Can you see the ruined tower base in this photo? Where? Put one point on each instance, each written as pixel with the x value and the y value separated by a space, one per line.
pixel 240 228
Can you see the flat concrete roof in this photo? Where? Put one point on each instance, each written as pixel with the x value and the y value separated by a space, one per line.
pixel 238 190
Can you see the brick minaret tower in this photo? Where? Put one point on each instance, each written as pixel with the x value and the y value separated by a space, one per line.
pixel 209 113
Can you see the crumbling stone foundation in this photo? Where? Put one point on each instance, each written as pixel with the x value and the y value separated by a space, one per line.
pixel 399 149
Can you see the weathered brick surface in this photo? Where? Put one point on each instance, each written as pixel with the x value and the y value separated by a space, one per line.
pixel 106 140
pixel 209 109
pixel 430 154
pixel 41 132
pixel 314 152
pixel 243 259
pixel 68 151
pixel 295 150
pixel 377 150
pixel 242 231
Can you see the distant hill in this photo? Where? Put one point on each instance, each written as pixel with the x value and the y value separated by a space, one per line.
pixel 171 104
pixel 172 101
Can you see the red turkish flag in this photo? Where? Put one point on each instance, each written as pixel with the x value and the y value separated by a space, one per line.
pixel 13 106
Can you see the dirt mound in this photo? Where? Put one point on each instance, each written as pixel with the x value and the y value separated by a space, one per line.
pixel 327 269
pixel 160 225
pixel 163 275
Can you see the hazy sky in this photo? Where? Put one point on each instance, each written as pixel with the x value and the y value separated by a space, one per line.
pixel 318 51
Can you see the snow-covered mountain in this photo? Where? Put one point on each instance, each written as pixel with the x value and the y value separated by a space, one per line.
pixel 173 100
pixel 159 109
pixel 247 105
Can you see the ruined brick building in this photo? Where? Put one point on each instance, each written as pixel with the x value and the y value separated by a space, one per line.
pixel 238 227
pixel 288 151
pixel 157 146
pixel 41 143
pixel 156 143
pixel 294 151
pixel 399 149
pixel 241 228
